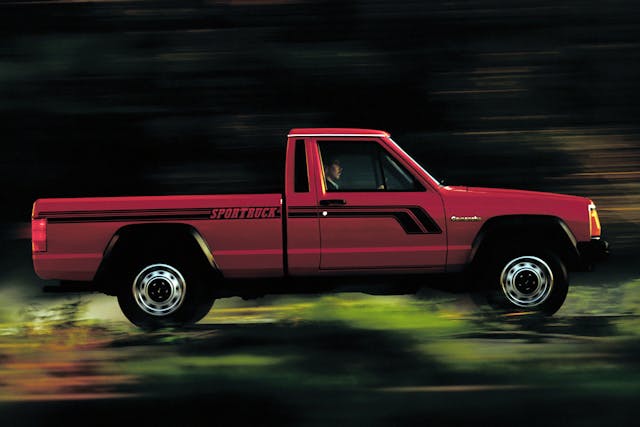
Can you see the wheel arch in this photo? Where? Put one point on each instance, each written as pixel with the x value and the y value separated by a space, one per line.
pixel 540 231
pixel 176 238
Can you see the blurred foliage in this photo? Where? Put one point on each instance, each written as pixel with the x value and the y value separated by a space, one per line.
pixel 631 305
pixel 401 313
pixel 192 96
pixel 631 297
pixel 362 354
pixel 64 320
pixel 65 315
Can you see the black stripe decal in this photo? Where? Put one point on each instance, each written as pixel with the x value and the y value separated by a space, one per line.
pixel 127 218
pixel 128 215
pixel 103 212
pixel 303 214
pixel 427 222
pixel 408 224
pixel 413 219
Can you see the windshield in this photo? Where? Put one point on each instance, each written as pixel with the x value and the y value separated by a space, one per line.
pixel 416 163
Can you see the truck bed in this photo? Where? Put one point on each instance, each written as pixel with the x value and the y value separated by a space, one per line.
pixel 238 229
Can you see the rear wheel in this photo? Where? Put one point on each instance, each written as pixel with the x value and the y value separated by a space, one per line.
pixel 164 292
pixel 525 281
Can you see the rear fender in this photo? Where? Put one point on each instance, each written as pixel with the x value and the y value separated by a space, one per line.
pixel 135 241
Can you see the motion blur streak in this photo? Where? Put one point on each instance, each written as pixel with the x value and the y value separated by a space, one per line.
pixel 157 97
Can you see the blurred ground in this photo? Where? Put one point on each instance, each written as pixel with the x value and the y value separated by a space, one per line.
pixel 346 359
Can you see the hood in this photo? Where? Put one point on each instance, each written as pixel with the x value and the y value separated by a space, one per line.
pixel 514 194
pixel 473 206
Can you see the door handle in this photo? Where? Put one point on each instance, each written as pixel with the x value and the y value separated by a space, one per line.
pixel 329 202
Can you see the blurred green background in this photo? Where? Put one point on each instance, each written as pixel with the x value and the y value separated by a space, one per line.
pixel 195 96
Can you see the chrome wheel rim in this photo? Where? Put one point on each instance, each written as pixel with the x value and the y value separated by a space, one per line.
pixel 526 281
pixel 159 289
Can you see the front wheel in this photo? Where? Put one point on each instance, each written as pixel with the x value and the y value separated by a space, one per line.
pixel 163 293
pixel 524 281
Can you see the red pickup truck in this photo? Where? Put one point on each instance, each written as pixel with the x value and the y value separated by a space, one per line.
pixel 354 204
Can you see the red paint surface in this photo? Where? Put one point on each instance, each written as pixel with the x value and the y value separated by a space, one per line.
pixel 253 247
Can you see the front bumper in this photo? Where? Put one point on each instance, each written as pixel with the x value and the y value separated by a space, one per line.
pixel 593 251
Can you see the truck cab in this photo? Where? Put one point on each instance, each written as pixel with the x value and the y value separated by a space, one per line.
pixel 356 201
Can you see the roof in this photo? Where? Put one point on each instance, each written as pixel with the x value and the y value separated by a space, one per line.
pixel 336 132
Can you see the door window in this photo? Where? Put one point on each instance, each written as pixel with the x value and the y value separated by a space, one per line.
pixel 362 166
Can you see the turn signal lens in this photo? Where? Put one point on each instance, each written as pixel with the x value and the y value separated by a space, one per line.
pixel 594 221
pixel 39 235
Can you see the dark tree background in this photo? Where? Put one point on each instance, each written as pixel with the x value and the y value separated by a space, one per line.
pixel 194 96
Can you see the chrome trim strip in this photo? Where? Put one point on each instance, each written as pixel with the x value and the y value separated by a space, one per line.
pixel 473 218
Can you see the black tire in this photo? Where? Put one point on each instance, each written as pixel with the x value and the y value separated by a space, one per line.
pixel 164 291
pixel 524 281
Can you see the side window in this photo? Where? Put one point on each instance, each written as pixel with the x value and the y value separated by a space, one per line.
pixel 350 165
pixel 396 177
pixel 301 175
pixel 362 166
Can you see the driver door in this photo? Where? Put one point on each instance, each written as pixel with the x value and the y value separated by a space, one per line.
pixel 374 214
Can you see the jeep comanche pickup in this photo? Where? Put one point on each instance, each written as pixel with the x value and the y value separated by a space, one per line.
pixel 354 203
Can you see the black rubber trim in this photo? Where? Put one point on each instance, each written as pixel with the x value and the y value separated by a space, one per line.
pixel 593 251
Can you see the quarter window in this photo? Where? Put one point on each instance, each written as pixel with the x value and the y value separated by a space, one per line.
pixel 300 168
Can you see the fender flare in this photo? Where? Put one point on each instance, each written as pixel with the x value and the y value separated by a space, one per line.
pixel 540 230
pixel 132 236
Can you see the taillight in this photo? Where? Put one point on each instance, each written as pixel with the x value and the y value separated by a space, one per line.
pixel 594 221
pixel 39 235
